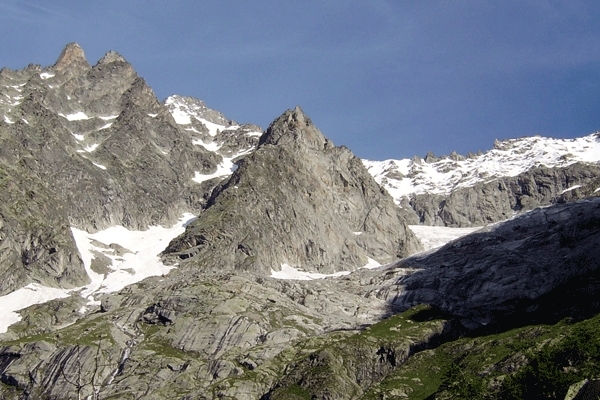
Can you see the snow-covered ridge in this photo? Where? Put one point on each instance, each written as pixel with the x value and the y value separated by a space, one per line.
pixel 183 109
pixel 508 158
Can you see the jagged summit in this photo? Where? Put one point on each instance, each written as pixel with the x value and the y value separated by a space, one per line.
pixel 316 210
pixel 293 127
pixel 71 56
pixel 110 57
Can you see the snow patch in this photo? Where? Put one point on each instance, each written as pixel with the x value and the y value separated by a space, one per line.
pixel 433 237
pixel 224 169
pixel 152 115
pixel 213 128
pixel 78 116
pixel 77 136
pixel 372 264
pixel 105 126
pixel 25 297
pixel 569 189
pixel 91 148
pixel 288 272
pixel 99 165
pixel 7 120
pixel 139 262
pixel 108 117
pixel 291 273
pixel 181 117
pixel 46 75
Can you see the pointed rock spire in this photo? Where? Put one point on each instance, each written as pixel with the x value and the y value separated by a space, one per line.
pixel 293 127
pixel 71 56
pixel 297 200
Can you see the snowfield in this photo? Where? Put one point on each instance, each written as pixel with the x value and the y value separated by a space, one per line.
pixel 433 237
pixel 138 260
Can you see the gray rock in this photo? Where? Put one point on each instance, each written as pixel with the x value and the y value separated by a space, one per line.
pixel 299 200
pixel 500 199
pixel 483 274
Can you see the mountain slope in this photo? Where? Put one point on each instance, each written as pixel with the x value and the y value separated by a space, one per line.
pixel 296 200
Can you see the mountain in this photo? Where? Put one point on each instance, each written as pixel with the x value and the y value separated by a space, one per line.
pixel 517 175
pixel 155 250
pixel 299 200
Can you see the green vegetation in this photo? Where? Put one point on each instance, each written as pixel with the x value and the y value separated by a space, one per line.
pixel 539 361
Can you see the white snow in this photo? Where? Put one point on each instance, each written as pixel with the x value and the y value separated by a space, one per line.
pixel 141 262
pixel 569 189
pixel 46 75
pixel 597 190
pixel 78 116
pixel 372 264
pixel 288 272
pixel 183 110
pixel 291 273
pixel 152 115
pixel 24 120
pixel 181 117
pixel 357 233
pixel 23 298
pixel 433 237
pixel 78 137
pixel 108 117
pixel 254 133
pixel 213 128
pixel 224 169
pixel 99 165
pixel 512 157
pixel 105 126
pixel 91 148
pixel 7 120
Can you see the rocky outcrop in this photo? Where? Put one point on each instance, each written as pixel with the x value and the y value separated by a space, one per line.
pixel 298 200
pixel 490 272
pixel 221 335
pixel 501 198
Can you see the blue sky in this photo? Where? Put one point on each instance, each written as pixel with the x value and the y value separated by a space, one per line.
pixel 388 79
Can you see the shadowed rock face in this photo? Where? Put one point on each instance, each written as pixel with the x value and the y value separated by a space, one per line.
pixel 490 271
pixel 299 200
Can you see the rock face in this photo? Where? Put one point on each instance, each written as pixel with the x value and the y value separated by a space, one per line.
pixel 92 147
pixel 500 199
pixel 488 272
pixel 298 200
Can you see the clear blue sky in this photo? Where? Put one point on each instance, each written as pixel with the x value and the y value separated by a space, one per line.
pixel 388 79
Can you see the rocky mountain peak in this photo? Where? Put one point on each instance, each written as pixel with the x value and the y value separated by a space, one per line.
pixel 316 210
pixel 71 56
pixel 110 57
pixel 294 128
